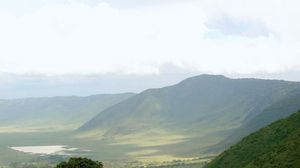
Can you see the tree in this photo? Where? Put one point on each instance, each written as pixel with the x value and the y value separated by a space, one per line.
pixel 80 163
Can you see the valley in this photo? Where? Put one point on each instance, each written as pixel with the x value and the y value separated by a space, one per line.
pixel 149 84
pixel 114 155
pixel 186 124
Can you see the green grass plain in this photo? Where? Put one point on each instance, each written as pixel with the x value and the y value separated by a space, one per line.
pixel 113 152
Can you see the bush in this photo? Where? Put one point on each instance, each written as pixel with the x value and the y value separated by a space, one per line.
pixel 80 163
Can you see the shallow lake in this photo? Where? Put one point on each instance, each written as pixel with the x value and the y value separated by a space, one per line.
pixel 45 150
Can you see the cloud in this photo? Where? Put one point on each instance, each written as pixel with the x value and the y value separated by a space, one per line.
pixel 40 85
pixel 98 37
pixel 227 25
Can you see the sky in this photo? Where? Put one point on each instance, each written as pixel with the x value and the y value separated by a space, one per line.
pixel 50 44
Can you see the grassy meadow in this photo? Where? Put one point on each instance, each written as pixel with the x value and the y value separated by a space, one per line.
pixel 133 151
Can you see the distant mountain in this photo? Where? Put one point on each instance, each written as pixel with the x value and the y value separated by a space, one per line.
pixel 197 113
pixel 277 145
pixel 55 111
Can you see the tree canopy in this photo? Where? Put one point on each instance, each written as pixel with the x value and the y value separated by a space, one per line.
pixel 80 163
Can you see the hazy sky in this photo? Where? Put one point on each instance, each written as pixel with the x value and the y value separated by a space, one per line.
pixel 139 37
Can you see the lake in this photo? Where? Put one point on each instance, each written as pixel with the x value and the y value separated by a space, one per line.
pixel 45 150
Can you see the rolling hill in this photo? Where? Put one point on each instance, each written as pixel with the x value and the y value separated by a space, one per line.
pixel 282 108
pixel 277 145
pixel 195 115
pixel 54 112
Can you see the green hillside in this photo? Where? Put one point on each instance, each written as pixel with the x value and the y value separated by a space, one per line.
pixel 39 113
pixel 186 119
pixel 184 125
pixel 284 107
pixel 275 146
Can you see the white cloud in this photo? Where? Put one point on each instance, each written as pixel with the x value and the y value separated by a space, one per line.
pixel 227 25
pixel 75 37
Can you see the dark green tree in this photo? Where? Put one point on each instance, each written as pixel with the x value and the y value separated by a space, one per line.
pixel 80 163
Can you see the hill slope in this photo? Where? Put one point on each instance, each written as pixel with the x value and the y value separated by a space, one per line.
pixel 183 119
pixel 277 145
pixel 53 111
pixel 280 109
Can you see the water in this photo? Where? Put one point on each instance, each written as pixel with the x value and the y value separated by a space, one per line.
pixel 45 150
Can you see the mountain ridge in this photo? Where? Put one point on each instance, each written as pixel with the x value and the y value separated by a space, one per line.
pixel 202 107
pixel 61 109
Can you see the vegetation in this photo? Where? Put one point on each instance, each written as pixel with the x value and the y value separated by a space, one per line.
pixel 282 108
pixel 80 163
pixel 186 118
pixel 155 127
pixel 275 146
pixel 40 162
pixel 55 112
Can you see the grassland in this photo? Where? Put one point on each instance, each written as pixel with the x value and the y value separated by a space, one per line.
pixel 114 152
